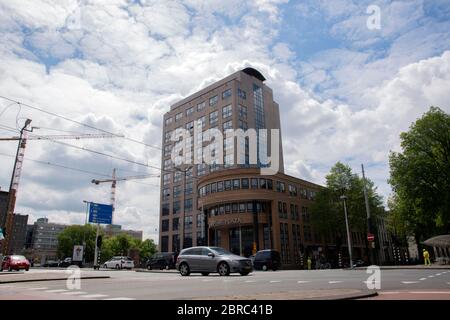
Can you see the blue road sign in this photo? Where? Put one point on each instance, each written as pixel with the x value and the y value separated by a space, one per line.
pixel 100 213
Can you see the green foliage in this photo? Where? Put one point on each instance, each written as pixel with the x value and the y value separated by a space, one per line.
pixel 74 235
pixel 420 177
pixel 328 212
pixel 121 244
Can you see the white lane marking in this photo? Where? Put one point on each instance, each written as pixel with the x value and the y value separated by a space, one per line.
pixel 438 274
pixel 433 292
pixel 430 276
pixel 37 288
pixel 421 279
pixel 56 291
pixel 275 281
pixel 207 280
pixel 303 281
pixel 409 282
pixel 74 292
pixel 249 281
pixel 120 298
pixel 94 296
pixel 331 282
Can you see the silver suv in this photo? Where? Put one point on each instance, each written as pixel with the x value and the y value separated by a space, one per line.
pixel 206 260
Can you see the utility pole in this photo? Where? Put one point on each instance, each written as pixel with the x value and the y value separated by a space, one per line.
pixel 369 219
pixel 349 241
pixel 12 195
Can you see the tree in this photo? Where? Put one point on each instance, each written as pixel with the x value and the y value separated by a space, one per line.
pixel 420 177
pixel 327 211
pixel 147 248
pixel 75 235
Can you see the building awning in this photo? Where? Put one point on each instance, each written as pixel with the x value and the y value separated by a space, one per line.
pixel 439 241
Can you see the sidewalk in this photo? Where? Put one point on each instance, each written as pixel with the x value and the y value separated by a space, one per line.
pixel 157 271
pixel 322 294
pixel 32 277
pixel 410 267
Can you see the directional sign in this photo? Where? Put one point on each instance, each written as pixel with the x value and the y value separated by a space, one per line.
pixel 370 237
pixel 77 253
pixel 100 213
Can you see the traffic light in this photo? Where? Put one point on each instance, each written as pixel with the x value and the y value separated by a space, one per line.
pixel 99 241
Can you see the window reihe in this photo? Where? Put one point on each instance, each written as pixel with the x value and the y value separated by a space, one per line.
pixel 165 225
pixel 165 208
pixel 169 121
pixel 213 101
pixel 176 191
pixel 188 205
pixel 226 94
pixel 175 224
pixel 201 106
pixel 188 222
pixel 242 94
pixel 227 111
pixel 189 111
pixel 242 111
pixel 237 207
pixel 213 117
pixel 178 116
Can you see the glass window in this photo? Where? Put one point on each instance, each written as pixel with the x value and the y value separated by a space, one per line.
pixel 201 106
pixel 176 207
pixel 169 121
pixel 242 94
pixel 220 186
pixel 176 191
pixel 235 207
pixel 165 209
pixel 189 111
pixel 177 176
pixel 166 193
pixel 227 185
pixel 167 136
pixel 188 189
pixel 227 125
pixel 175 224
pixel 213 118
pixel 187 222
pixel 202 120
pixel 236 184
pixel 242 125
pixel 269 184
pixel 242 207
pixel 213 187
pixel 226 94
pixel 213 100
pixel 245 183
pixel 254 183
pixel 262 183
pixel 227 111
pixel 190 126
pixel 242 110
pixel 249 206
pixel 166 178
pixel 188 205
pixel 165 225
pixel 227 208
pixel 178 116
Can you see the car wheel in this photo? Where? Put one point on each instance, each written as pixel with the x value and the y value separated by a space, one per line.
pixel 149 267
pixel 244 273
pixel 223 269
pixel 105 266
pixel 205 274
pixel 27 269
pixel 167 267
pixel 117 267
pixel 264 267
pixel 10 269
pixel 184 269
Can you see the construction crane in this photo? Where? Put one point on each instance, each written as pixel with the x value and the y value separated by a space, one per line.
pixel 114 180
pixel 17 170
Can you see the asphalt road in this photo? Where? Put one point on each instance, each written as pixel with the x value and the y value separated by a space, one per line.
pixel 395 284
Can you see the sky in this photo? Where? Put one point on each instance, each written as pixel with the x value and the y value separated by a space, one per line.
pixel 349 77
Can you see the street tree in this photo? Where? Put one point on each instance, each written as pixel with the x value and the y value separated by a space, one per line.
pixel 420 177
pixel 75 235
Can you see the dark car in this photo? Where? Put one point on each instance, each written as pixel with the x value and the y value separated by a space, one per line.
pixel 15 262
pixel 65 263
pixel 51 263
pixel 161 260
pixel 267 259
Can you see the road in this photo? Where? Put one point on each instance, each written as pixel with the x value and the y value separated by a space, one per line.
pixel 286 284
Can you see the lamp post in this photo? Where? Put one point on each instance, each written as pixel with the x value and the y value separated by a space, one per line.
pixel 349 242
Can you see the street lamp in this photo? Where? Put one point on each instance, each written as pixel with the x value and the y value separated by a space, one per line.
pixel 349 243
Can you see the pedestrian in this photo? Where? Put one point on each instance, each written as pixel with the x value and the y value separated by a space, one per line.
pixel 309 263
pixel 426 257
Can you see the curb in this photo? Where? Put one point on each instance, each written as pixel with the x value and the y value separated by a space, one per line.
pixel 158 271
pixel 358 296
pixel 393 268
pixel 52 279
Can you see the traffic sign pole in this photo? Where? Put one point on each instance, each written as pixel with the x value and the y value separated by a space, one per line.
pixel 96 265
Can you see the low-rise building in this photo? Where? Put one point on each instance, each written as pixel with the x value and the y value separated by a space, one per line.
pixel 45 239
pixel 115 229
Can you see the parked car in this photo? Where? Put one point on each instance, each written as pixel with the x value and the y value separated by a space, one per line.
pixel 267 259
pixel 119 262
pixel 51 263
pixel 161 260
pixel 15 262
pixel 65 263
pixel 206 260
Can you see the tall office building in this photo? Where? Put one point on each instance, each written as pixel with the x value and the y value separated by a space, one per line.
pixel 231 204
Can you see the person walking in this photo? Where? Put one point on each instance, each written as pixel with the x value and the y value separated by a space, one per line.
pixel 426 257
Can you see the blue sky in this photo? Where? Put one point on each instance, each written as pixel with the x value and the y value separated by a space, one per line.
pixel 345 91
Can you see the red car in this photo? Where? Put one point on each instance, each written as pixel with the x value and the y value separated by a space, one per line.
pixel 15 262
